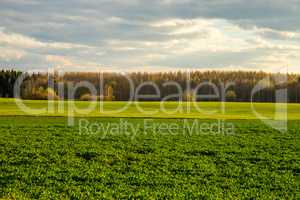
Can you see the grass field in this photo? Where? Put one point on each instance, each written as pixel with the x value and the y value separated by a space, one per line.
pixel 42 157
pixel 206 110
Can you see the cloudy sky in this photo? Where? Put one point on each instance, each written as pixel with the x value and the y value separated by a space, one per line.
pixel 156 35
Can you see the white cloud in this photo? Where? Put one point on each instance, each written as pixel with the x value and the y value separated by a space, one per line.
pixel 9 54
pixel 211 35
pixel 268 32
pixel 59 60
pixel 25 42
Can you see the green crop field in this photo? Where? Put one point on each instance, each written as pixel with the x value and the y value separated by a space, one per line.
pixel 202 110
pixel 41 157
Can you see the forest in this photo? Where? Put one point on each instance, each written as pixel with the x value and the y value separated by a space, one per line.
pixel 118 87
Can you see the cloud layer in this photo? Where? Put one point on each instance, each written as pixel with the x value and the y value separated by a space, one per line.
pixel 132 35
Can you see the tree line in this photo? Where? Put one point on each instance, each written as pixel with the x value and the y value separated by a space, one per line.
pixel 116 86
pixel 7 81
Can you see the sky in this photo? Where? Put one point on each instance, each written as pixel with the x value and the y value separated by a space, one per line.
pixel 150 35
